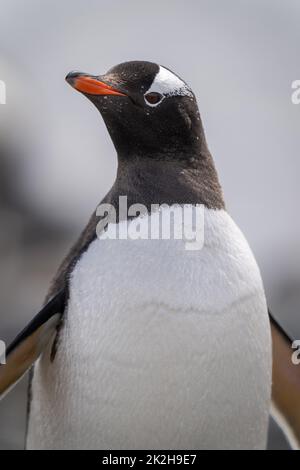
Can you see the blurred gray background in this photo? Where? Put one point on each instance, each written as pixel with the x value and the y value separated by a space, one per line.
pixel 57 161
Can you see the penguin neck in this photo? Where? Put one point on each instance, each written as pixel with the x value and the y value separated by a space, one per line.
pixel 189 179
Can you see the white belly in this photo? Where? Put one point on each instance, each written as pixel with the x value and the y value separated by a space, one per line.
pixel 162 348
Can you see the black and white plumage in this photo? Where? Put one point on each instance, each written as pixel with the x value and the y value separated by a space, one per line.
pixel 158 348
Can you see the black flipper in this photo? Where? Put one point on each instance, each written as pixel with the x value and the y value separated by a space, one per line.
pixel 30 343
pixel 286 384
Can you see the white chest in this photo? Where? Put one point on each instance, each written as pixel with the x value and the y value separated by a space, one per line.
pixel 162 348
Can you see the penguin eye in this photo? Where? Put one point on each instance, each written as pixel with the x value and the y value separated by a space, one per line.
pixel 153 98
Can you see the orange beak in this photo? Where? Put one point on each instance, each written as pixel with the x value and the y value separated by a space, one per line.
pixel 90 85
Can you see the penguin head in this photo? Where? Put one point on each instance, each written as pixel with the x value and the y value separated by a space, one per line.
pixel 149 111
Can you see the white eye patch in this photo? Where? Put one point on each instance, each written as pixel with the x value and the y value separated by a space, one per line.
pixel 166 84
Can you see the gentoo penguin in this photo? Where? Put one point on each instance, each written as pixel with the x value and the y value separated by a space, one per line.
pixel 147 342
